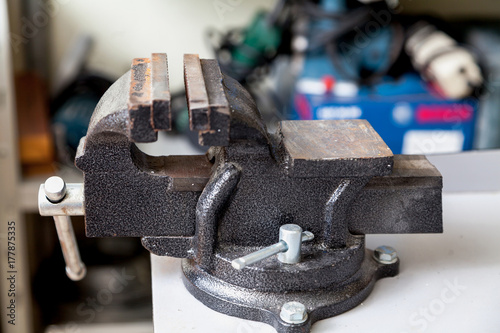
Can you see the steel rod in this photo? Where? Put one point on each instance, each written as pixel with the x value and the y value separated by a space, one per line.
pixel 254 257
pixel 75 268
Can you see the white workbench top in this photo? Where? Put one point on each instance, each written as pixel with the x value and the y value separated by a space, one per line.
pixel 448 282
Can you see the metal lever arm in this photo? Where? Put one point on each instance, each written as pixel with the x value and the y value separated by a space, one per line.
pixel 287 249
pixel 51 202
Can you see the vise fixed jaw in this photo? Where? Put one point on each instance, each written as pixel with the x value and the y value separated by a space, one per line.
pixel 334 180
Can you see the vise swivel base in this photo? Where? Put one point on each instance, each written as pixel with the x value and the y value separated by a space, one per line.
pixel 271 226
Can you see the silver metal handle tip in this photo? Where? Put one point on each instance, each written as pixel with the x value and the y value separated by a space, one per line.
pixel 238 263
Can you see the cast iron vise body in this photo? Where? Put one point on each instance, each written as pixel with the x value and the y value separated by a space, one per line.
pixel 335 179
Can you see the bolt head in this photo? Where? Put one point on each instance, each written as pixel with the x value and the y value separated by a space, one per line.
pixel 55 189
pixel 293 313
pixel 385 255
pixel 293 228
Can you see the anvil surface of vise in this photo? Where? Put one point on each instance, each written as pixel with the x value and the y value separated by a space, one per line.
pixel 335 179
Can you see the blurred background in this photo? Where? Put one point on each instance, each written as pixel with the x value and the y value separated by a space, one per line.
pixel 424 73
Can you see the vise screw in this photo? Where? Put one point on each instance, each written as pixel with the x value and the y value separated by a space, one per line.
pixel 271 226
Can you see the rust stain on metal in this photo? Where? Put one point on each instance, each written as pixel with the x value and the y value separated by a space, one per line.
pixel 188 173
pixel 332 140
pixel 139 102
pixel 140 84
pixel 192 166
pixel 213 83
pixel 219 113
pixel 160 104
pixel 196 93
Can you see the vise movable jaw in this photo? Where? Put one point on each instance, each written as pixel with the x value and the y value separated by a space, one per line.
pixel 309 193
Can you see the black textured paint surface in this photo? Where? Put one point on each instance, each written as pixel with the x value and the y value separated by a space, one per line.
pixel 120 198
pixel 264 306
pixel 162 117
pixel 118 189
pixel 209 208
pixel 177 247
pixel 140 114
pixel 319 268
pixel 254 187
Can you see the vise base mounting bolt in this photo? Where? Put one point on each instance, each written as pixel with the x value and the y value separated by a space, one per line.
pixel 271 226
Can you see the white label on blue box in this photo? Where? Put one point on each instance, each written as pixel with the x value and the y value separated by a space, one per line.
pixel 339 112
pixel 433 142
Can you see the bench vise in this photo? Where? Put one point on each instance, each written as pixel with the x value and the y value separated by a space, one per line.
pixel 271 226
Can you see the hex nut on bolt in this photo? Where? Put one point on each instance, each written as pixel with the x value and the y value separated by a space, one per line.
pixel 385 255
pixel 293 313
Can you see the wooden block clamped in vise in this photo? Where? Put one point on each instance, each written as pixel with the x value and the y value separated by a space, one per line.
pixel 149 98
